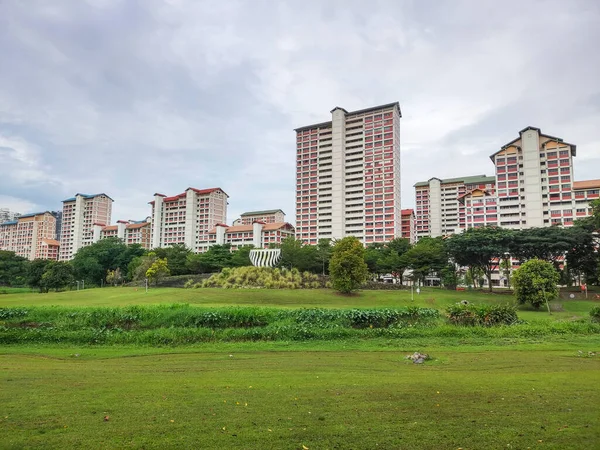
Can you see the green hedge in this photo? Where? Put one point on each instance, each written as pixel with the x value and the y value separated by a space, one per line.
pixel 481 315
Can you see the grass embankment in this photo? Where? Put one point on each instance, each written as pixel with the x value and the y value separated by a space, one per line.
pixel 287 400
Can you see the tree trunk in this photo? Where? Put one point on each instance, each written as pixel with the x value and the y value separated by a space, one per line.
pixel 489 277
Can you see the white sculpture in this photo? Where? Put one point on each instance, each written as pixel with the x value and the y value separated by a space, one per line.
pixel 266 257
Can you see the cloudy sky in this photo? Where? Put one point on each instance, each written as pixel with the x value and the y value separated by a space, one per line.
pixel 136 97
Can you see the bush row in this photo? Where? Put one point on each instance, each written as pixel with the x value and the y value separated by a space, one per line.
pixel 481 315
pixel 262 277
pixel 174 336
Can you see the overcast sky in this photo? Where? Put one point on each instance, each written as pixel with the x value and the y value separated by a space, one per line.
pixel 136 97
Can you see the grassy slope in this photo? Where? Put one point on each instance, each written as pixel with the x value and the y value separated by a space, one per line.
pixel 281 400
pixel 432 298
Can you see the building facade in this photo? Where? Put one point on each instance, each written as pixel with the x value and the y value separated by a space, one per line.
pixel 130 232
pixel 187 218
pixel 438 209
pixel 408 225
pixel 348 176
pixel 268 216
pixel 258 234
pixel 27 234
pixel 79 215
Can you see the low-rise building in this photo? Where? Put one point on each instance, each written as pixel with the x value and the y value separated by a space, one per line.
pixel 267 216
pixel 130 232
pixel 258 234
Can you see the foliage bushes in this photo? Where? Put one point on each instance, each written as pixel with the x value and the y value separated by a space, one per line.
pixel 481 315
pixel 264 277
pixel 595 314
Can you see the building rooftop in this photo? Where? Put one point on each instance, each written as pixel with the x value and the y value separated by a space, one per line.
pixel 465 180
pixel 586 184
pixel 72 199
pixel 262 213
pixel 51 242
pixel 539 130
pixel 249 228
pixel 183 194
pixel 360 111
pixel 407 212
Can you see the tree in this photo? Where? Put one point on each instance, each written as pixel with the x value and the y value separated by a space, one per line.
pixel 177 257
pixel 324 253
pixel 159 269
pixel 139 266
pixel 481 247
pixel 35 272
pixel 114 277
pixel 57 276
pixel 536 282
pixel 427 257
pixel 213 260
pixel 93 262
pixel 13 269
pixel 241 257
pixel 347 266
pixel 547 243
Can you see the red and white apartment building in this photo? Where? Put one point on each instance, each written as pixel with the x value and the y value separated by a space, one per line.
pixel 31 236
pixel 408 225
pixel 267 216
pixel 130 232
pixel 80 213
pixel 348 176
pixel 187 218
pixel 257 234
pixel 439 210
pixel 534 186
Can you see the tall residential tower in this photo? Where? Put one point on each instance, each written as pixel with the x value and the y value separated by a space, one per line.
pixel 348 176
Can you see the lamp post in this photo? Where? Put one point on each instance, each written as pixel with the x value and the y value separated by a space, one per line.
pixel 146 285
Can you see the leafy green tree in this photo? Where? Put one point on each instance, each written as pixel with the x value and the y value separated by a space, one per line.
pixel 482 247
pixel 93 262
pixel 57 276
pixel 427 257
pixel 323 254
pixel 177 256
pixel 114 277
pixel 583 259
pixel 347 266
pixel 13 269
pixel 536 282
pixel 159 269
pixel 292 253
pixel 139 266
pixel 374 254
pixel 241 257
pixel 547 243
pixel 35 272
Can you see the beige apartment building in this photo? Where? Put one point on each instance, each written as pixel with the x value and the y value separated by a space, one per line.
pixel 80 213
pixel 30 236
pixel 187 218
pixel 267 216
pixel 348 176
pixel 258 234
pixel 130 232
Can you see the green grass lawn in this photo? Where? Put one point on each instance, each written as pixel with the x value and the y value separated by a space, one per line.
pixel 255 397
pixel 431 298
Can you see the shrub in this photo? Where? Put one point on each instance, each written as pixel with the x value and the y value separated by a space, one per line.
pixel 536 282
pixel 481 315
pixel 263 277
pixel 595 314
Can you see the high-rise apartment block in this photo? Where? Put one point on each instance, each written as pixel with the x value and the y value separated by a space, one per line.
pixel 187 218
pixel 267 216
pixel 439 211
pixel 80 213
pixel 30 236
pixel 534 186
pixel 348 176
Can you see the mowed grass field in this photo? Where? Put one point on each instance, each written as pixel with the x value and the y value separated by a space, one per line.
pixel 111 398
pixel 300 298
pixel 476 393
